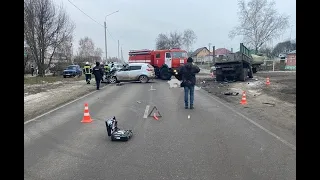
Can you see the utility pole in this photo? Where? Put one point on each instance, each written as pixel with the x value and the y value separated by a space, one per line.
pixel 122 55
pixel 118 51
pixel 105 39
pixel 213 54
pixel 209 50
pixel 105 33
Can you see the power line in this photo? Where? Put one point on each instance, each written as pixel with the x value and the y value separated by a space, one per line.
pixel 92 20
pixel 85 13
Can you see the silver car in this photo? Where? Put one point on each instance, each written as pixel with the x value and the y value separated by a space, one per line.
pixel 142 72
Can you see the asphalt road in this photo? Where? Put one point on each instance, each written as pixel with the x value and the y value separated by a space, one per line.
pixel 215 143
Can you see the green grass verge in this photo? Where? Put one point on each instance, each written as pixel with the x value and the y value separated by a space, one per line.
pixel 49 79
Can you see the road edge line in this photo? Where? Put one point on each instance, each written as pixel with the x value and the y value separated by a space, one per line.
pixel 146 111
pixel 61 106
pixel 293 147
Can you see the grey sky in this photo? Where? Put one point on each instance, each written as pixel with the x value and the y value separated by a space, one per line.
pixel 138 22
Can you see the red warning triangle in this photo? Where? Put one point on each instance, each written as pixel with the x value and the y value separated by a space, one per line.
pixel 154 112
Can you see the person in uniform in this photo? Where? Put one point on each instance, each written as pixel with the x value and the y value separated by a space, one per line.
pixel 87 72
pixel 97 71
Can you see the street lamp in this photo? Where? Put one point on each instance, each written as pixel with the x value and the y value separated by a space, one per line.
pixel 105 33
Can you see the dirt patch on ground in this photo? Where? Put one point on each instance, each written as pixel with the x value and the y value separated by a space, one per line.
pixel 275 103
pixel 40 98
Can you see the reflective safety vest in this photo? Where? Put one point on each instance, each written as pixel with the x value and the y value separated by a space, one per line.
pixel 87 69
pixel 107 68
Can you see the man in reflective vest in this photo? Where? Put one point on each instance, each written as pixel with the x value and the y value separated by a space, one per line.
pixel 107 68
pixel 87 71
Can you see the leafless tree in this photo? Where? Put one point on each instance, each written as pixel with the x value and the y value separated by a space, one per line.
pixel 162 42
pixel 46 27
pixel 259 23
pixel 86 49
pixel 189 38
pixel 113 59
pixel 98 52
pixel 267 51
pixel 65 49
pixel 175 40
pixel 284 47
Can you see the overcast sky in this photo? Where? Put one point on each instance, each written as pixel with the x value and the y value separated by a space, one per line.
pixel 138 22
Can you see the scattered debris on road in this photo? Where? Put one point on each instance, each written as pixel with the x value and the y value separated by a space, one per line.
pixel 231 93
pixel 270 104
pixel 261 97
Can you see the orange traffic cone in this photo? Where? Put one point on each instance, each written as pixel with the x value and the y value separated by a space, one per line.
pixel 268 81
pixel 86 115
pixel 244 98
pixel 155 116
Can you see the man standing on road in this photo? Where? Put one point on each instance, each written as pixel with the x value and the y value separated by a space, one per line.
pixel 87 72
pixel 98 74
pixel 188 74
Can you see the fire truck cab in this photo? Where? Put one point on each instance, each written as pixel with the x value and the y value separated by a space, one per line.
pixel 166 62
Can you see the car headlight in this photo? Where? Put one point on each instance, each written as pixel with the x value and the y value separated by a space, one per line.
pixel 174 70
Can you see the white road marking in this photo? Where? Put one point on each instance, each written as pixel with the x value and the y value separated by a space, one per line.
pixel 188 116
pixel 293 147
pixel 146 111
pixel 151 88
pixel 61 106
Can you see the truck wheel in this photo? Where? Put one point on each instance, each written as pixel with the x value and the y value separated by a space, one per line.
pixel 254 70
pixel 113 80
pixel 243 75
pixel 143 79
pixel 165 74
pixel 219 78
pixel 250 74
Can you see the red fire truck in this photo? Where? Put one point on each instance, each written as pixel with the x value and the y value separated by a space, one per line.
pixel 166 62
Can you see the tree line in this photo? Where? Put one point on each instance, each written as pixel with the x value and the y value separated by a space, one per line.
pixel 48 32
pixel 176 39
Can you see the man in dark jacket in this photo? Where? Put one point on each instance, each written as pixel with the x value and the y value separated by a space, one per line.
pixel 188 74
pixel 98 74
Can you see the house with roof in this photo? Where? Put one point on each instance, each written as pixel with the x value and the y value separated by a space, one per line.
pixel 220 52
pixel 200 55
pixel 291 61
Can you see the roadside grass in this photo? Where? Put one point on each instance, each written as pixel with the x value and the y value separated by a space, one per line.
pixel 49 79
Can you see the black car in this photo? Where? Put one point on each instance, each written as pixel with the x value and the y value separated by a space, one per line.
pixel 72 71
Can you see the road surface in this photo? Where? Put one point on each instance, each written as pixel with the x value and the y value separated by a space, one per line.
pixel 215 143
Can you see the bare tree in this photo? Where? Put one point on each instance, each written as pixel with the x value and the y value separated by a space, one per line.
pixel 162 42
pixel 176 39
pixel 173 40
pixel 65 49
pixel 98 52
pixel 259 23
pixel 86 49
pixel 189 38
pixel 284 47
pixel 113 59
pixel 46 27
pixel 267 51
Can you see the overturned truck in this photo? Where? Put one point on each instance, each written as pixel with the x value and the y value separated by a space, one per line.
pixel 235 66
